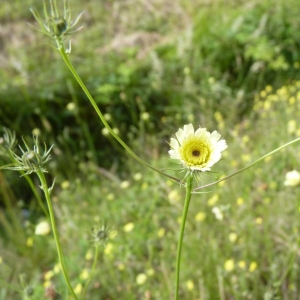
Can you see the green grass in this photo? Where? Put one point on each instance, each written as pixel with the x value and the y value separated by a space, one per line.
pixel 202 75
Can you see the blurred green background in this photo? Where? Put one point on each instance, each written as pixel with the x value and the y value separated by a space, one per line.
pixel 153 66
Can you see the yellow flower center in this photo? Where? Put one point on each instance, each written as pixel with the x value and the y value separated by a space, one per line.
pixel 195 151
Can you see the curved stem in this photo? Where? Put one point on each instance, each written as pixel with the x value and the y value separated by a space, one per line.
pixel 188 194
pixel 92 272
pixel 86 91
pixel 45 189
pixel 246 168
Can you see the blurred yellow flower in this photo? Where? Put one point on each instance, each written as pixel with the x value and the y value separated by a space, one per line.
pixel 128 227
pixel 141 278
pixel 191 117
pixel 121 267
pixel 246 157
pixel 174 196
pixel 78 288
pixel 291 126
pixel 71 106
pixel 145 116
pixel 273 185
pixel 263 94
pixel 65 184
pixel 292 100
pixel 239 201
pixel 292 178
pixel 232 237
pixel 150 272
pixel 137 176
pixel 47 283
pixel 269 88
pixel 84 275
pixel 190 285
pixel 253 266
pixel 36 132
pixel 110 197
pixel 200 216
pixel 56 268
pixel 161 232
pixel 105 131
pixel 242 264
pixel 268 159
pixel 29 242
pixel 48 275
pixel 229 265
pixel 124 184
pixel 43 228
pixel 213 200
pixel 218 116
pixel 116 130
pixel 145 186
pixel 107 117
pixel 1 260
pixel 258 220
pixel 245 139
pixel 234 163
pixel 89 255
pixel 108 249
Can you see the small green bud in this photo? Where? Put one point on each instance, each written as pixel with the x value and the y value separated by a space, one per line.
pixel 100 235
pixel 31 159
pixel 58 26
pixel 29 291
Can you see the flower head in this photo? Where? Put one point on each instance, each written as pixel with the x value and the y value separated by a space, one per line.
pixel 292 178
pixel 197 150
pixel 31 160
pixel 100 235
pixel 55 25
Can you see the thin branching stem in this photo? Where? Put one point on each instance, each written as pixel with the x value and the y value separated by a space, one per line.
pixel 45 189
pixel 84 88
pixel 246 168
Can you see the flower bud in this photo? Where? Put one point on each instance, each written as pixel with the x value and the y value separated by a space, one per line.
pixel 57 26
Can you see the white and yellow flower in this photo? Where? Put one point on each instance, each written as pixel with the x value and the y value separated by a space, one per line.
pixel 197 150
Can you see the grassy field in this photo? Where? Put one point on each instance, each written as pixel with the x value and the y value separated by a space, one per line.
pixel 152 67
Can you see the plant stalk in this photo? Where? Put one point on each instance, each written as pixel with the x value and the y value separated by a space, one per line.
pixel 45 189
pixel 246 168
pixel 65 57
pixel 188 194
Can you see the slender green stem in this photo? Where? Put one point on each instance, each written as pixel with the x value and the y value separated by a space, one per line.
pixel 43 207
pixel 188 194
pixel 86 91
pixel 246 168
pixel 32 188
pixel 53 224
pixel 92 272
